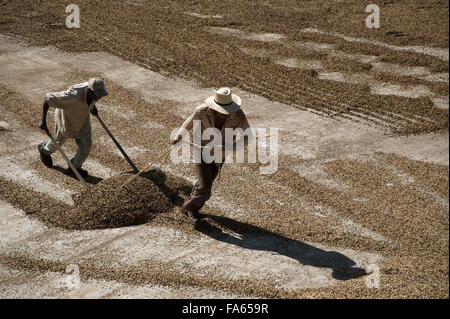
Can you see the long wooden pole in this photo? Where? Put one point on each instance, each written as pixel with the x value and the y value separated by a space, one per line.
pixel 117 144
pixel 153 162
pixel 145 168
pixel 67 159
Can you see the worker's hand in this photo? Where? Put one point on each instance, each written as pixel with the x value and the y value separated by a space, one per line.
pixel 43 125
pixel 176 140
pixel 94 111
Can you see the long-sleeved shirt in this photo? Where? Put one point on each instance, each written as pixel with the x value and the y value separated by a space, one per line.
pixel 72 111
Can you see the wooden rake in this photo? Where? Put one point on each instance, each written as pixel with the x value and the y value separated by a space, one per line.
pixel 166 152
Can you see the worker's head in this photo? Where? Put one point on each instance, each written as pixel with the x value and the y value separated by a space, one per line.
pixel 224 102
pixel 98 87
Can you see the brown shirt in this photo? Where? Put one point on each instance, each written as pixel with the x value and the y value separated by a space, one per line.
pixel 207 117
pixel 208 120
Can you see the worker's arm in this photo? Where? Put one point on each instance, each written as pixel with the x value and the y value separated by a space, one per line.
pixel 90 96
pixel 187 125
pixel 57 100
pixel 94 111
pixel 43 123
pixel 243 142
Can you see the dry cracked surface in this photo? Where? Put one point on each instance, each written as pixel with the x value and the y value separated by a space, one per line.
pixel 351 190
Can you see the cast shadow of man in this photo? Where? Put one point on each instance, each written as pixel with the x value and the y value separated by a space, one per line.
pixel 256 238
pixel 172 193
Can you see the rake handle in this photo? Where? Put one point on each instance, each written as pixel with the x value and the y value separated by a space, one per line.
pixel 117 144
pixel 80 178
pixel 153 162
pixel 145 168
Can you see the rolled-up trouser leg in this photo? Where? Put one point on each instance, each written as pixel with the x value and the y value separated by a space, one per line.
pixel 49 147
pixel 201 192
pixel 84 143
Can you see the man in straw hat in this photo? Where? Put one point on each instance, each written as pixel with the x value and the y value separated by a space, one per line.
pixel 72 120
pixel 220 111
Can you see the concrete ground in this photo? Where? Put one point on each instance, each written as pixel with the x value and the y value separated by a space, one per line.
pixel 271 258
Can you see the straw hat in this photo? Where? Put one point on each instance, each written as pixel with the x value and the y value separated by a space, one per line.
pixel 223 101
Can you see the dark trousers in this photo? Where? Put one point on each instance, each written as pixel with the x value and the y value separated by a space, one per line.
pixel 201 192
